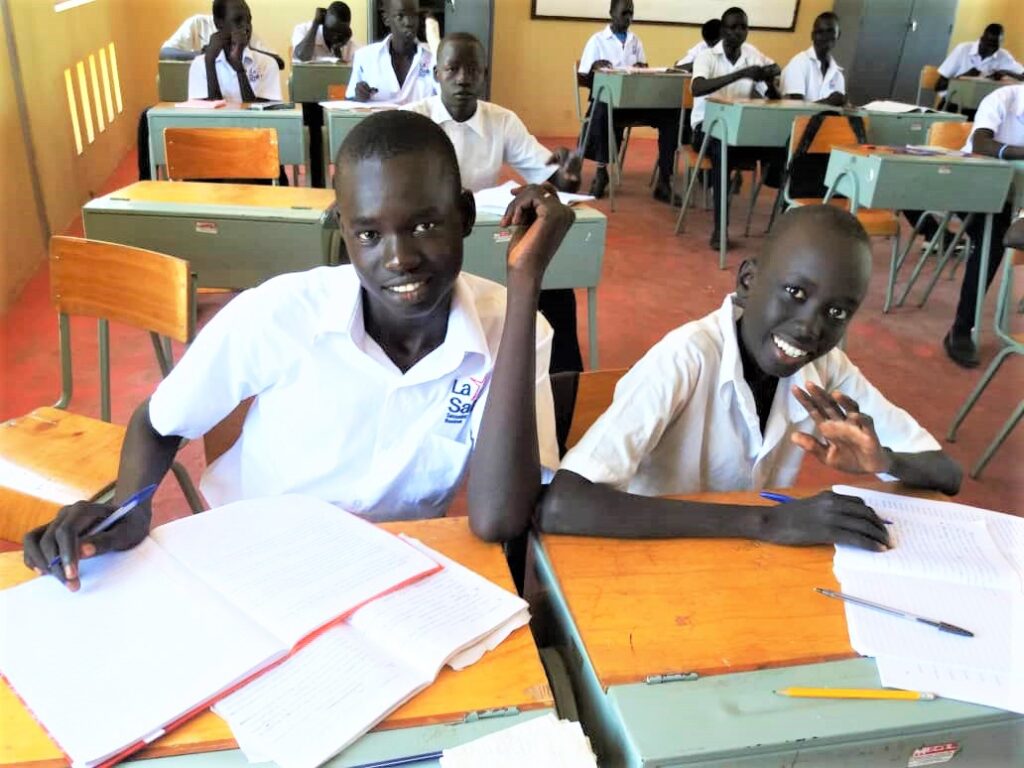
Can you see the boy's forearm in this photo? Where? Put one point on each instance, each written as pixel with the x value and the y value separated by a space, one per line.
pixel 702 86
pixel 304 50
pixel 146 455
pixel 934 470
pixel 212 84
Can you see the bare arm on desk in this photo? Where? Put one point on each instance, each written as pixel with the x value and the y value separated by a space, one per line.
pixel 704 86
pixel 984 143
pixel 304 50
pixel 213 49
pixel 146 456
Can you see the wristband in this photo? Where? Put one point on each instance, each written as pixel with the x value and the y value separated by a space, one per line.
pixel 1001 150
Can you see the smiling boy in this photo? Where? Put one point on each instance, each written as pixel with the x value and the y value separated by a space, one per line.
pixel 374 385
pixel 732 401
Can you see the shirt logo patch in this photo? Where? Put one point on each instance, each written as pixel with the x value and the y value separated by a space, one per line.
pixel 461 399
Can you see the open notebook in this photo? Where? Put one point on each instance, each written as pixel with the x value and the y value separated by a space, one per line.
pixel 205 603
pixel 348 679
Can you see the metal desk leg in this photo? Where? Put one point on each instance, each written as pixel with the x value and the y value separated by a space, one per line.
pixel 692 182
pixel 723 196
pixel 932 244
pixel 592 326
pixel 152 161
pixel 979 306
pixel 613 156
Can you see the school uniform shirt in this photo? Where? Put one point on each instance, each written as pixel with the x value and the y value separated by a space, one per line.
pixel 195 32
pixel 320 50
pixel 683 419
pixel 259 68
pixel 372 65
pixel 333 417
pixel 965 57
pixel 605 45
pixel 803 75
pixel 714 63
pixel 493 136
pixel 691 54
pixel 1001 112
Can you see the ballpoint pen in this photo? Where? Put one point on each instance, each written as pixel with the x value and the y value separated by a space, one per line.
pixel 942 626
pixel 783 499
pixel 101 525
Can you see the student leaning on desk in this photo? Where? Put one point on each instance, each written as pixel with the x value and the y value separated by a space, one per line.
pixel 374 385
pixel 732 402
pixel 327 37
pixel 814 75
pixel 984 57
pixel 191 38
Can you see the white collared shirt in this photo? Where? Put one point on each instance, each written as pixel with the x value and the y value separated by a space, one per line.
pixel 605 45
pixel 691 55
pixel 333 417
pixel 493 136
pixel 320 50
pixel 683 419
pixel 1001 112
pixel 372 65
pixel 803 75
pixel 260 69
pixel 965 57
pixel 195 32
pixel 714 63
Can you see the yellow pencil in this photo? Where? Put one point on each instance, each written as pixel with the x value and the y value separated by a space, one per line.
pixel 856 693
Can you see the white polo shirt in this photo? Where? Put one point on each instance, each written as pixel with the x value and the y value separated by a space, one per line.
pixel 320 50
pixel 260 69
pixel 372 65
pixel 691 54
pixel 195 32
pixel 333 417
pixel 714 63
pixel 965 57
pixel 683 419
pixel 605 45
pixel 492 137
pixel 803 75
pixel 1002 112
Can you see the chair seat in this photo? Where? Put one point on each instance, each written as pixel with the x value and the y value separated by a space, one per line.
pixel 876 221
pixel 49 458
pixel 691 159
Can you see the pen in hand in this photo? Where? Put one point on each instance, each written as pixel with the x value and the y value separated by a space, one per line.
pixel 782 498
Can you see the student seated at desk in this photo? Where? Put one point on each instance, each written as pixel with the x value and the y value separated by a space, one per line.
pixel 732 69
pixel 985 57
pixel 615 46
pixel 398 69
pixel 732 401
pixel 376 384
pixel 710 32
pixel 229 68
pixel 327 37
pixel 192 37
pixel 814 75
pixel 485 137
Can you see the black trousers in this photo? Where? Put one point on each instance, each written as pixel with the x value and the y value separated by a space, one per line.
pixel 665 120
pixel 142 140
pixel 559 308
pixel 313 118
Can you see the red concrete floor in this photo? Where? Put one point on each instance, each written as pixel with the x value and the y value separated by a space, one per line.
pixel 653 281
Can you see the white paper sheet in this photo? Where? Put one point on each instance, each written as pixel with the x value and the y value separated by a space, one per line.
pixel 542 742
pixel 496 199
pixel 349 105
pixel 893 107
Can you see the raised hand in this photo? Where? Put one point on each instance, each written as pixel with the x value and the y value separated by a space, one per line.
pixel 849 442
pixel 543 222
pixel 570 166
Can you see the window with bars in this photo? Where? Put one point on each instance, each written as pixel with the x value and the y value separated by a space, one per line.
pixel 93 92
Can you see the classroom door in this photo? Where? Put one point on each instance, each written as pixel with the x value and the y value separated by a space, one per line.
pixel 926 42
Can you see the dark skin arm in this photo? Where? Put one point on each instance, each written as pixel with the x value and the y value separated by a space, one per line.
pixel 234 57
pixel 570 165
pixel 984 143
pixel 999 74
pixel 304 50
pixel 835 99
pixel 1015 236
pixel 213 49
pixel 703 86
pixel 943 82
pixel 504 468
pixel 587 80
pixel 146 456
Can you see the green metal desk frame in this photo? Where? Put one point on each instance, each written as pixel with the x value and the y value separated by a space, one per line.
pixel 967 92
pixel 899 130
pixel 737 721
pixel 309 81
pixel 338 123
pixel 901 182
pixel 172 80
pixel 291 133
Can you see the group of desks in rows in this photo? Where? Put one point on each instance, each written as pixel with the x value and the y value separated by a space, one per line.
pixel 668 652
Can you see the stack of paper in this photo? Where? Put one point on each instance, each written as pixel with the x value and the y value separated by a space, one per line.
pixel 496 199
pixel 359 106
pixel 543 742
pixel 201 104
pixel 951 563
pixel 894 107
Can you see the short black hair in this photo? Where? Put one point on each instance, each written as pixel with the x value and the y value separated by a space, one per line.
pixel 341 10
pixel 994 29
pixel 827 16
pixel 839 222
pixel 711 30
pixel 613 3
pixel 731 11
pixel 460 37
pixel 384 135
pixel 220 8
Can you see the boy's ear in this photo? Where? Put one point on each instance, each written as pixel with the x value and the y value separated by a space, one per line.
pixel 467 209
pixel 745 280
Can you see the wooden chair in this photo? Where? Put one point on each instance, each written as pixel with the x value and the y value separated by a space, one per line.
pixel 945 135
pixel 51 457
pixel 1012 344
pixel 196 154
pixel 579 399
pixel 835 130
pixel 926 81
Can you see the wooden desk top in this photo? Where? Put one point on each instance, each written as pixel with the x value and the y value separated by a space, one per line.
pixel 231 106
pixel 710 606
pixel 203 193
pixel 510 675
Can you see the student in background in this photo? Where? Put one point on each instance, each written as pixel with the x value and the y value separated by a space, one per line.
pixel 375 384
pixel 813 75
pixel 616 46
pixel 327 37
pixel 190 39
pixel 733 401
pixel 733 69
pixel 710 32
pixel 399 68
pixel 985 57
pixel 485 137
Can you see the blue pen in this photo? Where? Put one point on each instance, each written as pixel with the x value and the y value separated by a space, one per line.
pixel 783 498
pixel 397 761
pixel 131 503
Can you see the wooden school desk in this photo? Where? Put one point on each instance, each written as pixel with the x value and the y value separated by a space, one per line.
pixel 676 647
pixel 899 130
pixel 172 80
pixel 967 92
pixel 291 133
pixel 506 687
pixel 234 235
pixel 892 179
pixel 745 123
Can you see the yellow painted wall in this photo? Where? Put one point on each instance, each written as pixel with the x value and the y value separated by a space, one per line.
pixel 972 16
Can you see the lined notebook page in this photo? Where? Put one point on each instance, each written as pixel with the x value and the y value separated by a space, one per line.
pixel 539 743
pixel 292 563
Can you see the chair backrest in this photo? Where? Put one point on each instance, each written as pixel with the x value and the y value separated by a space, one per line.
pixel 337 91
pixel 227 431
pixel 688 94
pixel 929 77
pixel 949 134
pixel 576 91
pixel 594 393
pixel 221 153
pixel 834 131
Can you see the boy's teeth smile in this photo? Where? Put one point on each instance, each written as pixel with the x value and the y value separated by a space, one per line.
pixel 788 349
pixel 405 288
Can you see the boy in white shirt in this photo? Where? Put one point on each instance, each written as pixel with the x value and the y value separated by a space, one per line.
pixel 984 57
pixel 814 75
pixel 398 69
pixel 327 37
pixel 190 39
pixel 732 401
pixel 374 385
pixel 710 32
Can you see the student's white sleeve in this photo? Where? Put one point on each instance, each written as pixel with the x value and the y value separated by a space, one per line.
pixel 991 114
pixel 184 37
pixel 197 78
pixel 527 156
pixel 1013 65
pixel 589 56
pixel 840 84
pixel 298 35
pixel 357 74
pixel 269 84
pixel 794 78
pixel 702 64
pixel 950 66
pixel 647 400
pixel 641 54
